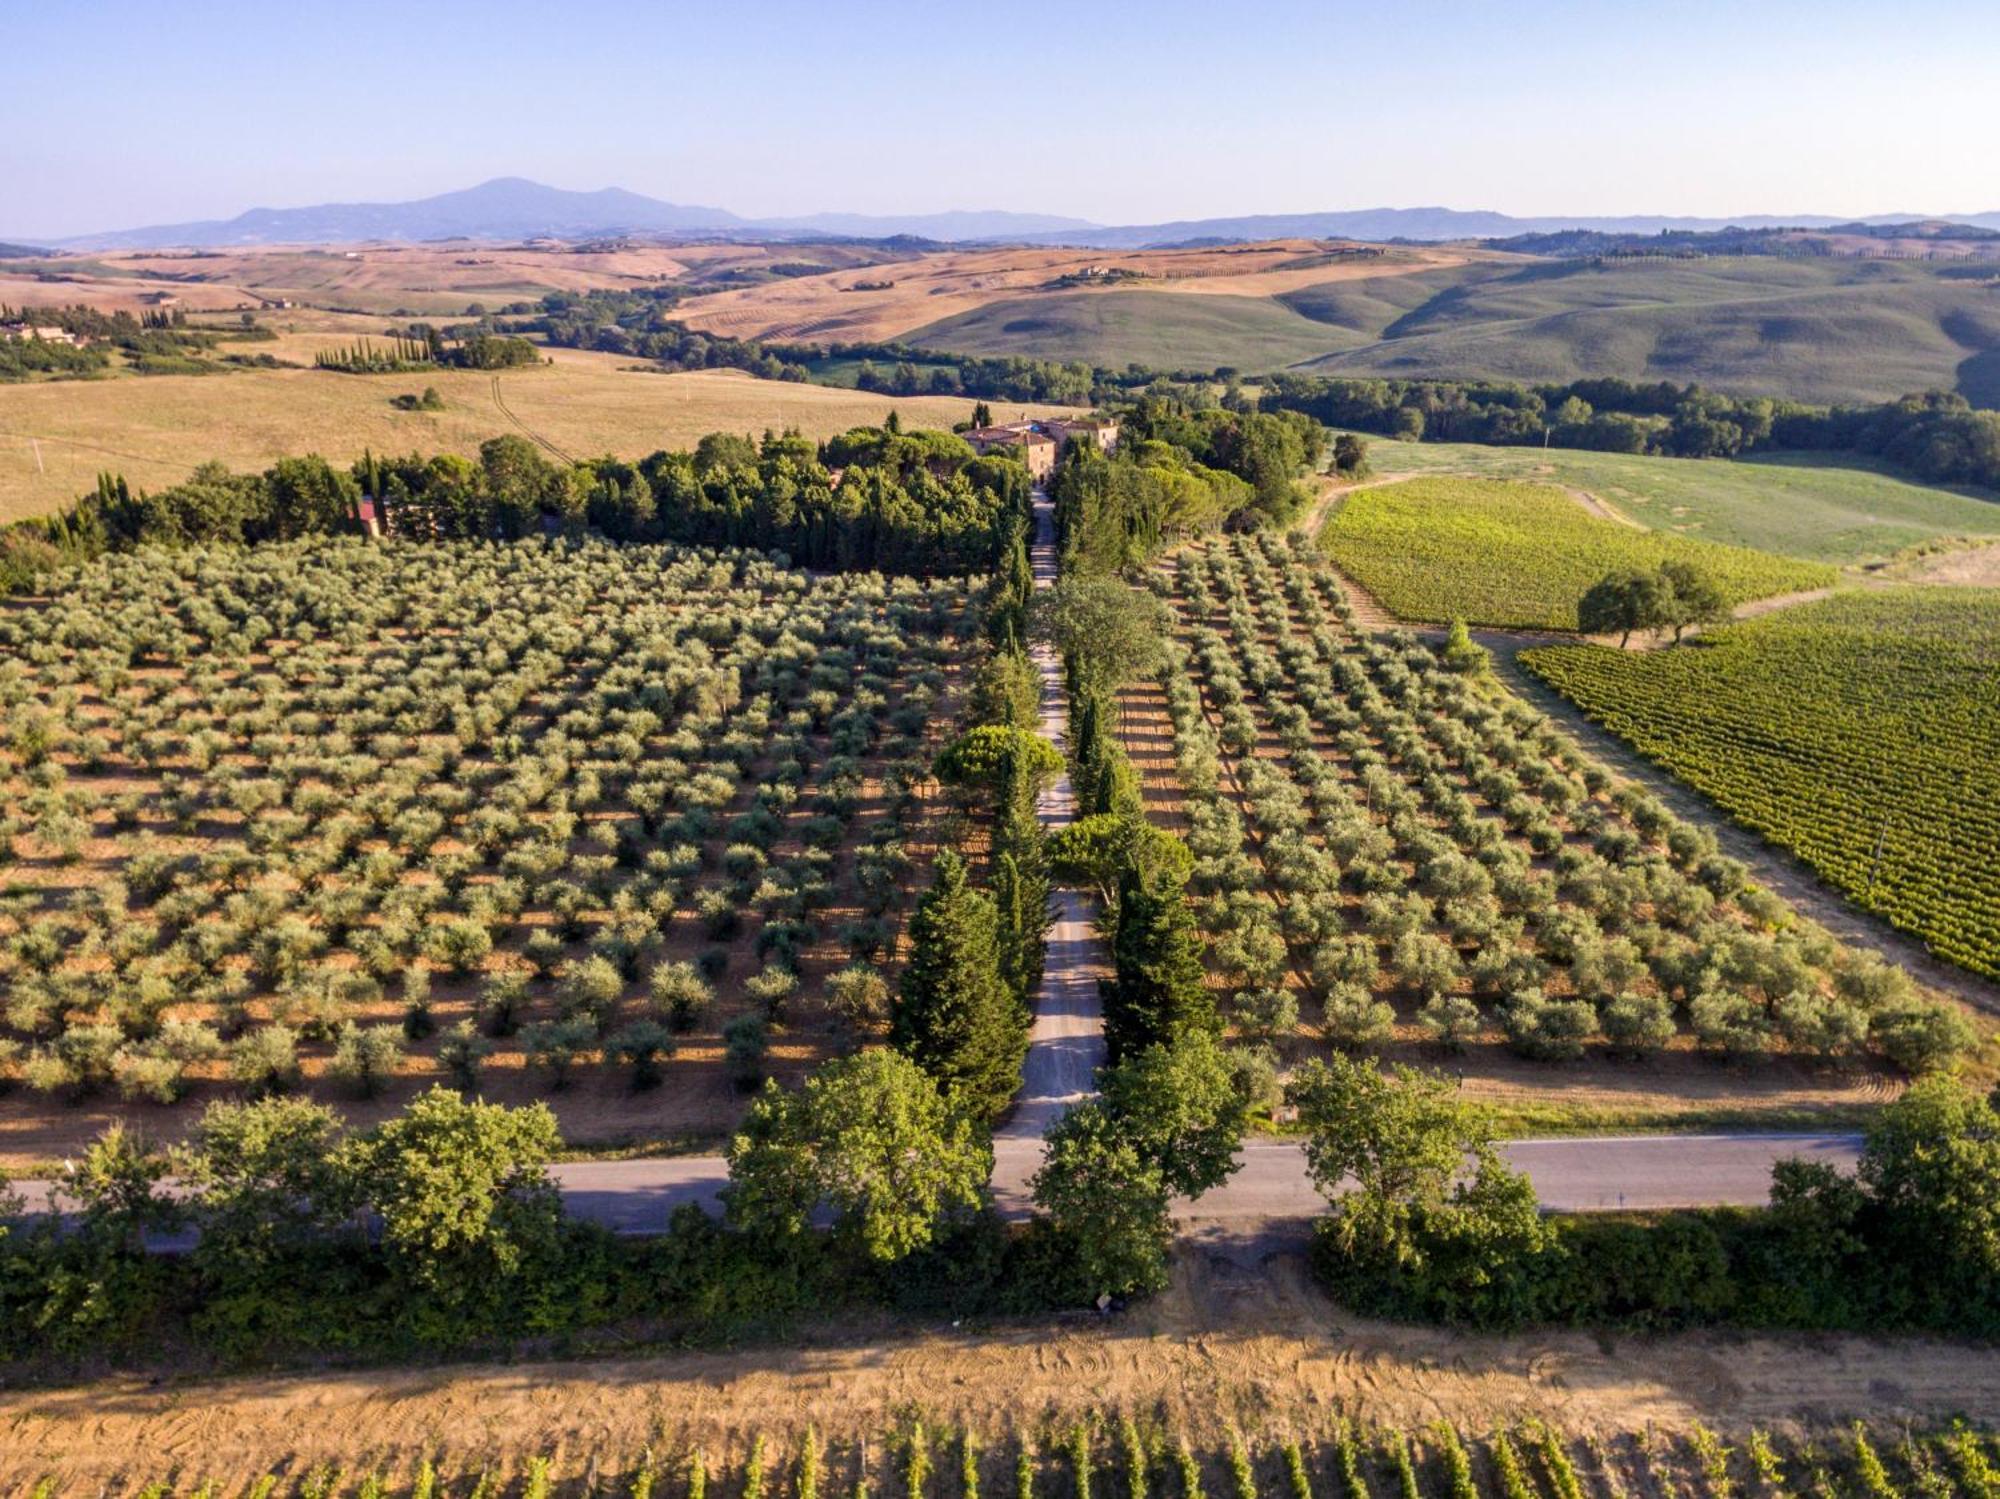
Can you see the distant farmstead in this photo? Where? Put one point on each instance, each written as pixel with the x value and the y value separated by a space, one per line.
pixel 1038 444
pixel 45 334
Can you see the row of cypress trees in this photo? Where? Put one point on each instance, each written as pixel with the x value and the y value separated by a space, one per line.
pixel 966 996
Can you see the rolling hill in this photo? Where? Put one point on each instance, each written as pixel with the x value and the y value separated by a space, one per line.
pixel 1820 330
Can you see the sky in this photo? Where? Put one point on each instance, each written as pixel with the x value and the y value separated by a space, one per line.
pixel 118 114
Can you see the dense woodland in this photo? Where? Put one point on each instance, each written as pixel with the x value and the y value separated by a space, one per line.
pixel 1936 436
pixel 877 498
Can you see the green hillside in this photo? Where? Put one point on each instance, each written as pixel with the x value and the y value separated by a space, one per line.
pixel 1826 507
pixel 1818 330
pixel 1496 553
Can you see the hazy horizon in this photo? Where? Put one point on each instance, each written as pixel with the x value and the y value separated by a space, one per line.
pixel 1112 114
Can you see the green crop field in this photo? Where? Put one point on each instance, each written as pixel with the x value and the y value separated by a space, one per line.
pixel 1860 724
pixel 1500 553
pixel 1824 507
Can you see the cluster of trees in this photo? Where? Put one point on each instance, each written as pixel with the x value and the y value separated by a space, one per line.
pixel 1180 469
pixel 1936 435
pixel 635 322
pixel 917 502
pixel 638 322
pixel 1673 596
pixel 967 992
pixel 422 345
pixel 470 1241
pixel 1427 1221
pixel 153 343
pixel 31 358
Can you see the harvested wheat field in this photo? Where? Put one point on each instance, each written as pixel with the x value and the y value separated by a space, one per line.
pixel 885 302
pixel 55 438
pixel 434 279
pixel 1225 1349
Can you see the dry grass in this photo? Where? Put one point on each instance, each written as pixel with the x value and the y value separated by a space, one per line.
pixel 55 438
pixel 923 291
pixel 1223 1350
pixel 441 280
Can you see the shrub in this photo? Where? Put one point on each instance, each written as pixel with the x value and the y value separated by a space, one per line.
pixel 859 995
pixel 461 1052
pixel 366 1059
pixel 265 1060
pixel 642 1044
pixel 1355 1017
pixel 557 1045
pixel 588 989
pixel 680 992
pixel 744 1042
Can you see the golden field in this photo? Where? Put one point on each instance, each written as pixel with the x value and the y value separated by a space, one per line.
pixel 56 437
pixel 438 280
pixel 854 305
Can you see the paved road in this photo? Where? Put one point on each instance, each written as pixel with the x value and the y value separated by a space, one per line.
pixel 1581 1174
pixel 1066 1043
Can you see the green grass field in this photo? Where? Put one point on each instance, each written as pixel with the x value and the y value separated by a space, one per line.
pixel 1811 330
pixel 1861 722
pixel 1824 507
pixel 1496 552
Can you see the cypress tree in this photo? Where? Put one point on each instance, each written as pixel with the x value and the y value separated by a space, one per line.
pixel 1157 993
pixel 955 1015
pixel 1020 882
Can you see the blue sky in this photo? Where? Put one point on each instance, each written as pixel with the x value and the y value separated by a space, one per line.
pixel 119 114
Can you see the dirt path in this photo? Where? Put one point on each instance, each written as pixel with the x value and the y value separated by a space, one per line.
pixel 1771 866
pixel 1260 1349
pixel 1066 1041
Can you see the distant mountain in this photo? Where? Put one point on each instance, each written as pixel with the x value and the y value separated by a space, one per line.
pixel 1433 224
pixel 505 208
pixel 514 208
pixel 956 226
pixel 19 252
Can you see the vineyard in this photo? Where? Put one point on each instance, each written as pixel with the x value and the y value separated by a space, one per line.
pixel 1857 732
pixel 1387 851
pixel 1135 1458
pixel 566 818
pixel 1511 554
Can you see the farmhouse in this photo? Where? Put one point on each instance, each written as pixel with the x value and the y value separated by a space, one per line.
pixel 46 334
pixel 1020 440
pixel 1040 443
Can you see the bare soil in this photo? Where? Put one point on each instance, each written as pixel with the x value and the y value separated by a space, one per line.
pixel 1250 1346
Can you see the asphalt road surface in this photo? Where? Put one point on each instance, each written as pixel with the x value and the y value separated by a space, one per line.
pixel 1578 1175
